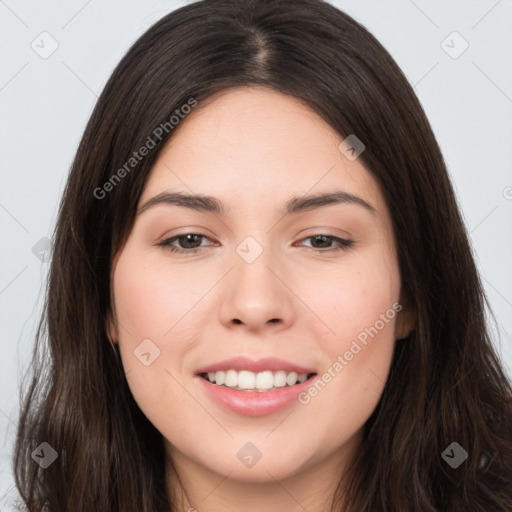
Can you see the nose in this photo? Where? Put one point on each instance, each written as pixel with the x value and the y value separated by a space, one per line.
pixel 257 295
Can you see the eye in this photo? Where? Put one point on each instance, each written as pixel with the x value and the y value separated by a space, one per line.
pixel 188 241
pixel 324 240
pixel 191 243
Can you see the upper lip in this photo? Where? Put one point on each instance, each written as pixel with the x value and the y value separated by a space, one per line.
pixel 245 363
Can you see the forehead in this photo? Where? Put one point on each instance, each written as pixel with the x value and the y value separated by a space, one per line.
pixel 252 143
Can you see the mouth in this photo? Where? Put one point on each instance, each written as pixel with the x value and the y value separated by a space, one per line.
pixel 268 393
pixel 265 381
pixel 249 387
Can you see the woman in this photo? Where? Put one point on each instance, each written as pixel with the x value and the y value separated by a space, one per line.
pixel 262 295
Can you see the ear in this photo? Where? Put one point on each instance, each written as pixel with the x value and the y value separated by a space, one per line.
pixel 111 323
pixel 111 327
pixel 406 319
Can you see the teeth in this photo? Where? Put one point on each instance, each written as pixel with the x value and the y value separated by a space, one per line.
pixel 291 378
pixel 231 378
pixel 250 381
pixel 247 380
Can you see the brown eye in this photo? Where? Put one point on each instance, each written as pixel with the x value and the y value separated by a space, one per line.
pixel 324 243
pixel 188 242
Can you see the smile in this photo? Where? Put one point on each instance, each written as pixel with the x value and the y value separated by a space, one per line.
pixel 246 380
pixel 254 402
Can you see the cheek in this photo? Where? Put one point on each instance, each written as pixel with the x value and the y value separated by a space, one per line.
pixel 149 305
pixel 353 296
pixel 360 305
pixel 149 298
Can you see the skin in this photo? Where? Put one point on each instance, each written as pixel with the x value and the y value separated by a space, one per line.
pixel 254 148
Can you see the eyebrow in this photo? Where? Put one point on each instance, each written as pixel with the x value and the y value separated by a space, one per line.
pixel 295 205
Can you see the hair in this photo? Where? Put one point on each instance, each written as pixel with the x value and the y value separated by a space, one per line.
pixel 446 382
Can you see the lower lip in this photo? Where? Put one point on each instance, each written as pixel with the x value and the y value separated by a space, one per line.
pixel 254 403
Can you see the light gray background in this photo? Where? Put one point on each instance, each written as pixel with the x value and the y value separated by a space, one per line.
pixel 45 103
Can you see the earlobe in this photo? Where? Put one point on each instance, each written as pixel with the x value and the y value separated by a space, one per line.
pixel 405 322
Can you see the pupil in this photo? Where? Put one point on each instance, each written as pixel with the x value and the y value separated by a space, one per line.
pixel 187 240
pixel 323 239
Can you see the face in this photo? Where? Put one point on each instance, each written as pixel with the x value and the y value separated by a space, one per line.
pixel 314 286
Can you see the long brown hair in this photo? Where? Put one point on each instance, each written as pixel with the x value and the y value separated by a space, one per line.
pixel 446 384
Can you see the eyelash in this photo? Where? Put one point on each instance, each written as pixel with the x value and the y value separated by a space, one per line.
pixel 343 243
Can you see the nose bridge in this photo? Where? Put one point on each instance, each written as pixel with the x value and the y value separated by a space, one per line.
pixel 253 276
pixel 255 295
